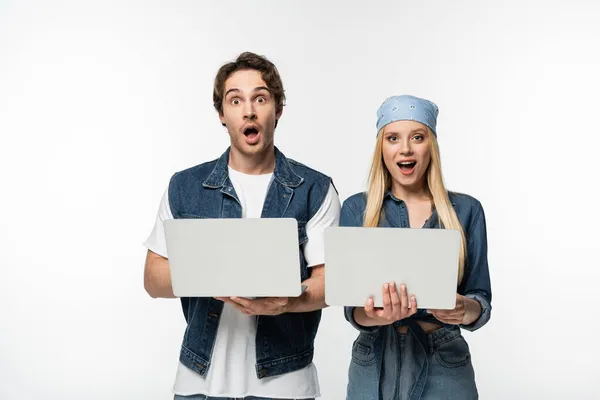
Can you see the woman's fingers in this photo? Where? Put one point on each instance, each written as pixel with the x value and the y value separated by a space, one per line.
pixel 397 305
pixel 370 308
pixel 413 305
pixel 387 302
pixel 404 296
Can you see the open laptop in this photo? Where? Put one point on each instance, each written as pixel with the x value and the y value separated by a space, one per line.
pixel 253 257
pixel 358 261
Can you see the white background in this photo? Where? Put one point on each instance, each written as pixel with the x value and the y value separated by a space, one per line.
pixel 101 102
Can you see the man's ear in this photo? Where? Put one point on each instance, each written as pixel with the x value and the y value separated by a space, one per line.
pixel 277 116
pixel 222 119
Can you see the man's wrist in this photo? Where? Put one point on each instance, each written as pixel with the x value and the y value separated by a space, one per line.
pixel 290 305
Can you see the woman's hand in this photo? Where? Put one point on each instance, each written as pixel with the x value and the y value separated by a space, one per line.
pixel 466 312
pixel 394 308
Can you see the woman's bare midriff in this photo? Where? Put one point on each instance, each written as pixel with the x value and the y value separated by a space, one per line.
pixel 427 327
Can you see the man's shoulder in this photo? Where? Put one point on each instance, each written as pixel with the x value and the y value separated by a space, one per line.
pixel 198 172
pixel 306 172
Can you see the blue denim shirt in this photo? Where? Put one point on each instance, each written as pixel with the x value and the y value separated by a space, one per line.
pixel 284 343
pixel 476 280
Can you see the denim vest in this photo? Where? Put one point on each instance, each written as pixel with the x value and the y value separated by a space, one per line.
pixel 284 343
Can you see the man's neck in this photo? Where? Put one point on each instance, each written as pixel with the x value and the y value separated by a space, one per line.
pixel 256 164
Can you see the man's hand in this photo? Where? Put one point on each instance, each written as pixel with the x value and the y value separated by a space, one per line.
pixel 313 298
pixel 262 306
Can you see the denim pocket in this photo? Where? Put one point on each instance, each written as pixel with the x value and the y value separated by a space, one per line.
pixel 363 349
pixel 453 353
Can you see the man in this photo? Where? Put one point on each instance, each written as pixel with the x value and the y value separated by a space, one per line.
pixel 236 347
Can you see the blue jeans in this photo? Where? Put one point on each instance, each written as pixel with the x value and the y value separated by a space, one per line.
pixel 395 366
pixel 451 375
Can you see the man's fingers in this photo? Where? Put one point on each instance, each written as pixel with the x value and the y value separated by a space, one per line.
pixel 226 300
pixel 264 306
pixel 256 306
pixel 240 308
pixel 281 301
pixel 242 301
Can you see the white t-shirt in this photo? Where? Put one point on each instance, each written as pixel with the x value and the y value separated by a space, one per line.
pixel 232 369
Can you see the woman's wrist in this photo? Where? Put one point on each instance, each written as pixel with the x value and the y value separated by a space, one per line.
pixel 472 311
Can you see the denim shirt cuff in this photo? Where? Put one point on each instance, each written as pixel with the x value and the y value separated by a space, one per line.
pixel 349 314
pixel 486 310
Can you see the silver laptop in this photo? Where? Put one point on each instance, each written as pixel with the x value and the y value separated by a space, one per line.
pixel 254 257
pixel 358 261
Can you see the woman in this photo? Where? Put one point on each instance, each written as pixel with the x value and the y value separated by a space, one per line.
pixel 403 352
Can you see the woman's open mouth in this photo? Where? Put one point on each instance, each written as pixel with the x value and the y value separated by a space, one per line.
pixel 407 167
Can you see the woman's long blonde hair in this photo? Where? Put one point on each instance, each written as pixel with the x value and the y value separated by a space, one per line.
pixel 380 181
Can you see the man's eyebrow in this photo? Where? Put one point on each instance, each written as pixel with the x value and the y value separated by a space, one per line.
pixel 256 89
pixel 231 90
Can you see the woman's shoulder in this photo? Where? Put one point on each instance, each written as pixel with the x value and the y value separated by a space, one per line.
pixel 357 201
pixel 467 207
pixel 464 200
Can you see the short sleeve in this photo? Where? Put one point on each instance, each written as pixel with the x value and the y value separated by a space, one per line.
pixel 327 215
pixel 156 242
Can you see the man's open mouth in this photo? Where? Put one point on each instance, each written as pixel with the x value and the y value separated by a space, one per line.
pixel 250 131
pixel 252 134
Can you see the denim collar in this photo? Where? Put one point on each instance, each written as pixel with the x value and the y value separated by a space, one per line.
pixel 388 193
pixel 283 171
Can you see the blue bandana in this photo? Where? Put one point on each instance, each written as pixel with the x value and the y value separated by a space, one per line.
pixel 407 108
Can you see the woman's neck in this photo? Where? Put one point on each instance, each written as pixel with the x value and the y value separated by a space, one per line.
pixel 412 194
